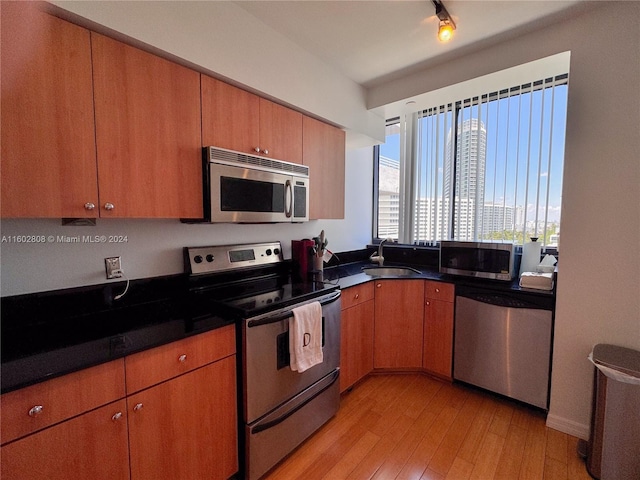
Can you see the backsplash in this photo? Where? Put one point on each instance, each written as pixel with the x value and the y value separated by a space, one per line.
pixel 63 258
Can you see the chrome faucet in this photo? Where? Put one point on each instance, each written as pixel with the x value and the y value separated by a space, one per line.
pixel 379 259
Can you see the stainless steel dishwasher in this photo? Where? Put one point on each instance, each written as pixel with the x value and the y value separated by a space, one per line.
pixel 503 343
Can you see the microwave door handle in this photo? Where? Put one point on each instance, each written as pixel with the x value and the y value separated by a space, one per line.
pixel 288 198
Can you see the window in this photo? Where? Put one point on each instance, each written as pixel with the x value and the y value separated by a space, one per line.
pixel 483 168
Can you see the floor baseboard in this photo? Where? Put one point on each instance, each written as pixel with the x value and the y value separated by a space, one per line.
pixel 569 427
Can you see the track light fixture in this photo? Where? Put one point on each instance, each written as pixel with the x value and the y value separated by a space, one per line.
pixel 447 25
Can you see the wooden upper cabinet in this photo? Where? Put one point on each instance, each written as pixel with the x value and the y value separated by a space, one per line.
pixel 48 166
pixel 280 132
pixel 147 133
pixel 235 119
pixel 230 117
pixel 324 153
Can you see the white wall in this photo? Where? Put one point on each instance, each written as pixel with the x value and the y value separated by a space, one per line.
pixel 154 247
pixel 599 272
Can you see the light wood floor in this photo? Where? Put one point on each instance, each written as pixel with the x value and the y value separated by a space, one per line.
pixel 414 427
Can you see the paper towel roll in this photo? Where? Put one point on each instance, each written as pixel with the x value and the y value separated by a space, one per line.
pixel 530 256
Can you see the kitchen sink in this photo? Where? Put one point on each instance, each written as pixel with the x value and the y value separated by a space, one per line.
pixel 390 271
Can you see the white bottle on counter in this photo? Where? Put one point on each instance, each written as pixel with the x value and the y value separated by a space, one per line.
pixel 530 255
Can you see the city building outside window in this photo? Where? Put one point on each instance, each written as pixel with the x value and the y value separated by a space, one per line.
pixel 487 168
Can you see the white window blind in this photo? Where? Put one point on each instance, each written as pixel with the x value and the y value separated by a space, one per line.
pixel 484 168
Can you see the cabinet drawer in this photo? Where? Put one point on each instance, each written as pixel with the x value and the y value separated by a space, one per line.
pixel 33 408
pixel 439 291
pixel 358 294
pixel 158 364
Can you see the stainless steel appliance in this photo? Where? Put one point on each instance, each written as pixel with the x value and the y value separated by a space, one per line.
pixel 241 188
pixel 478 259
pixel 279 408
pixel 503 343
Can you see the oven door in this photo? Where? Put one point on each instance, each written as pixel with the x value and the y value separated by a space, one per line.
pixel 268 379
pixel 246 195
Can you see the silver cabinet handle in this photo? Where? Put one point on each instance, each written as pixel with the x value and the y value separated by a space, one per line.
pixel 116 416
pixel 182 358
pixel 36 410
pixel 437 290
pixel 378 285
pixel 89 206
pixel 137 407
pixel 265 151
pixel 428 303
pixel 356 296
pixel 257 149
pixel 109 206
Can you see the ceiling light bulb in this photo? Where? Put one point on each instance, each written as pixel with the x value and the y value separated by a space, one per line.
pixel 445 31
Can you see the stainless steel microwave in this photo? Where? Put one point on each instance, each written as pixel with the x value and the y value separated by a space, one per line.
pixel 478 259
pixel 242 188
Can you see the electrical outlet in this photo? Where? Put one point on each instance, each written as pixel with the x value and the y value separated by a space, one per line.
pixel 113 267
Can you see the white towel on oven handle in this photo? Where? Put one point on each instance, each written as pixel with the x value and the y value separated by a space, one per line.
pixel 305 337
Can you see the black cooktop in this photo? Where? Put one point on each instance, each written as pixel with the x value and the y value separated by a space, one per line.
pixel 243 298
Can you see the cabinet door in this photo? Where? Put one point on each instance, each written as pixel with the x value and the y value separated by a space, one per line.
pixel 280 132
pixel 186 427
pixel 398 323
pixel 438 337
pixel 356 343
pixel 90 446
pixel 147 133
pixel 230 117
pixel 47 128
pixel 323 149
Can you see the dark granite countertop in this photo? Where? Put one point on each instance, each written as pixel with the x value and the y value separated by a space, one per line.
pixel 49 334
pixel 351 274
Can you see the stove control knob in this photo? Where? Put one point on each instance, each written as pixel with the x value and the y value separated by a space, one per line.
pixel 210 258
pixel 276 251
pixel 268 252
pixel 197 259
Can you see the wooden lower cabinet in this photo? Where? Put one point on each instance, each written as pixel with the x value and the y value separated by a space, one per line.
pixel 182 427
pixel 356 343
pixel 438 328
pixel 398 324
pixel 90 446
pixel 186 427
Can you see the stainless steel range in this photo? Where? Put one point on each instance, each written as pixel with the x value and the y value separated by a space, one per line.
pixel 280 407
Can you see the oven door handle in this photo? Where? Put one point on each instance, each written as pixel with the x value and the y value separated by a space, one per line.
pixel 288 313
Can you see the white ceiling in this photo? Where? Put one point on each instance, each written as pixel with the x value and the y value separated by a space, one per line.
pixel 375 41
